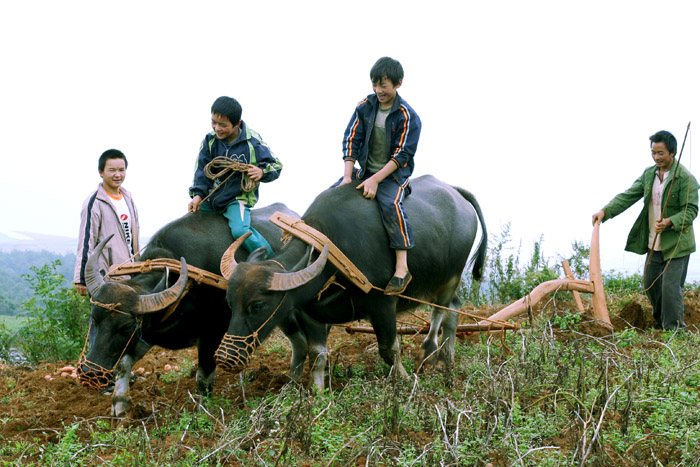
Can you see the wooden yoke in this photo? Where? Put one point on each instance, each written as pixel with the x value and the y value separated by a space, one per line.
pixel 198 275
pixel 313 237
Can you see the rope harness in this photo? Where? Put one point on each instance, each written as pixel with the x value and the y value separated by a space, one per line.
pixel 93 375
pixel 97 377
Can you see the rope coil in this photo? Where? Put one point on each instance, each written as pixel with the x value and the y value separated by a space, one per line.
pixel 222 165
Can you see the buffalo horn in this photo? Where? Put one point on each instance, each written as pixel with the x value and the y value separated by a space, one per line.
pixel 292 280
pixel 158 301
pixel 228 262
pixel 93 278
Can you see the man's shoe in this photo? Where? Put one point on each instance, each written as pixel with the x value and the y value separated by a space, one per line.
pixel 397 285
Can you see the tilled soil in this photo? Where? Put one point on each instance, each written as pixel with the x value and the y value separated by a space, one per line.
pixel 37 401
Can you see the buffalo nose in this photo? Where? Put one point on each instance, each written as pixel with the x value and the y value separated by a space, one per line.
pixel 93 377
pixel 230 356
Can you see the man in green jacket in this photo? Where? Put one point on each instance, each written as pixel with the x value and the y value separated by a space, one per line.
pixel 664 228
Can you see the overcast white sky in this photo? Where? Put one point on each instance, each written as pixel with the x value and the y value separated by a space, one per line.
pixel 542 109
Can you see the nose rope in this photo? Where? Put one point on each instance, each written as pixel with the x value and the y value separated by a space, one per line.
pixel 109 306
pixel 228 357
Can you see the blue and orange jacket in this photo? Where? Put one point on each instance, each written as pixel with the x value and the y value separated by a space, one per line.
pixel 402 129
pixel 248 148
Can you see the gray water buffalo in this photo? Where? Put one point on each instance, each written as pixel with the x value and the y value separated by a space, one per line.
pixel 445 220
pixel 153 308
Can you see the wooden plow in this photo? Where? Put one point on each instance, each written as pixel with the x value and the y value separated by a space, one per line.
pixel 593 286
pixel 495 322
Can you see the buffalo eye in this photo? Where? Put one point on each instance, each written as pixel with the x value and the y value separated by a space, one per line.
pixel 255 308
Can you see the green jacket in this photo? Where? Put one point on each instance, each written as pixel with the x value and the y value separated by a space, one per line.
pixel 682 209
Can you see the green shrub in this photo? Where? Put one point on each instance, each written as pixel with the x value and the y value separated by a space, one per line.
pixel 620 285
pixel 507 279
pixel 57 317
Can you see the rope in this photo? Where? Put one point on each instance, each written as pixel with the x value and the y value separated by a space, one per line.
pixel 93 375
pixel 110 306
pixel 220 166
pixel 461 312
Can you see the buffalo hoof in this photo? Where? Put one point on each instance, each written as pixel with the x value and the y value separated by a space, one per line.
pixel 120 406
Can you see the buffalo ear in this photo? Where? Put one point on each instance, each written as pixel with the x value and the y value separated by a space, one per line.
pixel 160 300
pixel 305 260
pixel 291 280
pixel 163 283
pixel 259 255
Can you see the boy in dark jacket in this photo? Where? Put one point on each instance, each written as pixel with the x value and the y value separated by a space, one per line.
pixel 382 138
pixel 232 141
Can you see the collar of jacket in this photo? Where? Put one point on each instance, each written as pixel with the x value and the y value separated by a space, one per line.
pixel 372 99
pixel 653 170
pixel 103 196
pixel 242 134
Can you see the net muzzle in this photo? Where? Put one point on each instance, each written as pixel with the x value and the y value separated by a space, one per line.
pixel 93 375
pixel 234 352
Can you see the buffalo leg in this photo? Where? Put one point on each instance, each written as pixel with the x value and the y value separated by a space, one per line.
pixel 307 337
pixel 384 323
pixel 206 368
pixel 441 321
pixel 121 399
pixel 318 352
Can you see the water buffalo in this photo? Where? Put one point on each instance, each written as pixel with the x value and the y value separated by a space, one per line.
pixel 129 316
pixel 445 220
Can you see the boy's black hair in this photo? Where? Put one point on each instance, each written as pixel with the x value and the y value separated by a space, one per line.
pixel 386 67
pixel 665 137
pixel 228 107
pixel 111 154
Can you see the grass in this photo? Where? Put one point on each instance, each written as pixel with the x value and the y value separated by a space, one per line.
pixel 550 394
pixel 543 396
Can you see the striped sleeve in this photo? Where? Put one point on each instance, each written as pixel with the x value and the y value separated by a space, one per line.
pixel 406 134
pixel 354 135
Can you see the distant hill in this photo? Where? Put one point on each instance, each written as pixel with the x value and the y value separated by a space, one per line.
pixel 27 241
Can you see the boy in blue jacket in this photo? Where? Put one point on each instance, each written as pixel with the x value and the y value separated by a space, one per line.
pixel 382 138
pixel 232 140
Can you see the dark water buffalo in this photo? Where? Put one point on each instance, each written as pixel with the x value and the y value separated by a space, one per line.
pixel 445 221
pixel 132 315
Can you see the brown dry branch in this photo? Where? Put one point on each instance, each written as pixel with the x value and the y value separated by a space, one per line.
pixel 600 421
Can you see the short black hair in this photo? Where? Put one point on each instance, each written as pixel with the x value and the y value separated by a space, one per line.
pixel 111 154
pixel 665 137
pixel 229 107
pixel 386 67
